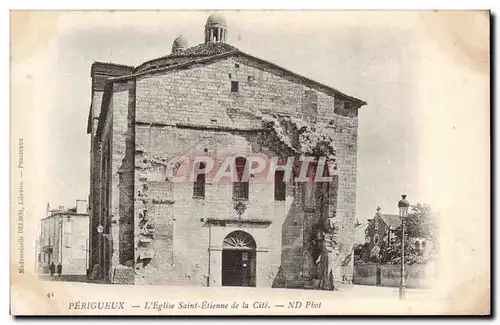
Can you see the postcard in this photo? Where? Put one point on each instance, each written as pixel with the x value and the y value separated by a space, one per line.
pixel 250 163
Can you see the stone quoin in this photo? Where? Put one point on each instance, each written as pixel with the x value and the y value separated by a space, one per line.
pixel 215 100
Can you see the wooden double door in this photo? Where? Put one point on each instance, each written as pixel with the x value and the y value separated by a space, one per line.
pixel 238 268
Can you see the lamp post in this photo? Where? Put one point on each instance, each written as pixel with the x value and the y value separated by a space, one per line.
pixel 100 229
pixel 102 252
pixel 403 206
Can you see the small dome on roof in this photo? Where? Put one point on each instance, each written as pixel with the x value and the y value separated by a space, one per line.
pixel 216 19
pixel 180 43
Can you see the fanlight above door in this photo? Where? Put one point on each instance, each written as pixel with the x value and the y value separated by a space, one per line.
pixel 239 240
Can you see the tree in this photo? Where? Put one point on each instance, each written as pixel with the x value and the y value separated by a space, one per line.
pixel 420 223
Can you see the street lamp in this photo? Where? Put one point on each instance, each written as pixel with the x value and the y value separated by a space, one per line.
pixel 100 231
pixel 403 206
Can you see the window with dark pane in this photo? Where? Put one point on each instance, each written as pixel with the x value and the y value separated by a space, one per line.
pixel 240 188
pixel 199 184
pixel 234 86
pixel 279 186
pixel 309 189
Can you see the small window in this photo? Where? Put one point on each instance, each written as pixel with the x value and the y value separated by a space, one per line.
pixel 229 76
pixel 199 184
pixel 67 228
pixel 240 189
pixel 234 86
pixel 309 190
pixel 376 224
pixel 417 246
pixel 236 65
pixel 279 186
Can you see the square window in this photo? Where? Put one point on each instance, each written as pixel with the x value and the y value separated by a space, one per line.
pixel 279 186
pixel 199 184
pixel 236 65
pixel 234 86
pixel 308 196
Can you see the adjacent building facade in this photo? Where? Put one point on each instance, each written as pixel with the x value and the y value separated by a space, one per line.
pixel 63 239
pixel 379 233
pixel 215 100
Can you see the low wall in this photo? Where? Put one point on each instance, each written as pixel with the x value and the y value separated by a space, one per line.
pixel 389 275
pixel 365 274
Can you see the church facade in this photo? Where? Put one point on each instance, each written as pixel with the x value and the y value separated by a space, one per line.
pixel 147 123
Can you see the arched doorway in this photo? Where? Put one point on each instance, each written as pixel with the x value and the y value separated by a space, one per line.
pixel 238 260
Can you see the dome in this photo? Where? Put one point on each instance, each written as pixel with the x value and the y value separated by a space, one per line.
pixel 216 19
pixel 180 43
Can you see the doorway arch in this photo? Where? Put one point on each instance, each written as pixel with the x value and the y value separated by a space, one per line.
pixel 239 260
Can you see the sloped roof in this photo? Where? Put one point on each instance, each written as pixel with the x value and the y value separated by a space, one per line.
pixel 198 51
pixel 65 212
pixel 204 54
pixel 393 221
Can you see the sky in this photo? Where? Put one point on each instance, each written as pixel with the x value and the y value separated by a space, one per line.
pixel 362 54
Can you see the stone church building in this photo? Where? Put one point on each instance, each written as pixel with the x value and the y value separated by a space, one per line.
pixel 214 100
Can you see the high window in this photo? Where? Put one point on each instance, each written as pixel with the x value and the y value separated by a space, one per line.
pixel 240 188
pixel 199 184
pixel 279 186
pixel 234 86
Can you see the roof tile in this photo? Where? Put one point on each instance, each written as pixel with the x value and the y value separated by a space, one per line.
pixel 201 50
pixel 392 220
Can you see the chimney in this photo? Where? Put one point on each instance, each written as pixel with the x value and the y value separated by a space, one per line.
pixel 81 206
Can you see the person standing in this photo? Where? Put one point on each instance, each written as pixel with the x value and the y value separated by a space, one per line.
pixel 59 269
pixel 52 269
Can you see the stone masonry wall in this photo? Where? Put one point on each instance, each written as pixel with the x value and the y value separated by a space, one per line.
pixel 121 210
pixel 179 252
pixel 199 100
pixel 74 255
pixel 100 71
pixel 94 198
pixel 346 135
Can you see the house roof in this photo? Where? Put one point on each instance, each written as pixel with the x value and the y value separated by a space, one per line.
pixel 191 53
pixel 99 72
pixel 68 212
pixel 207 53
pixel 393 221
